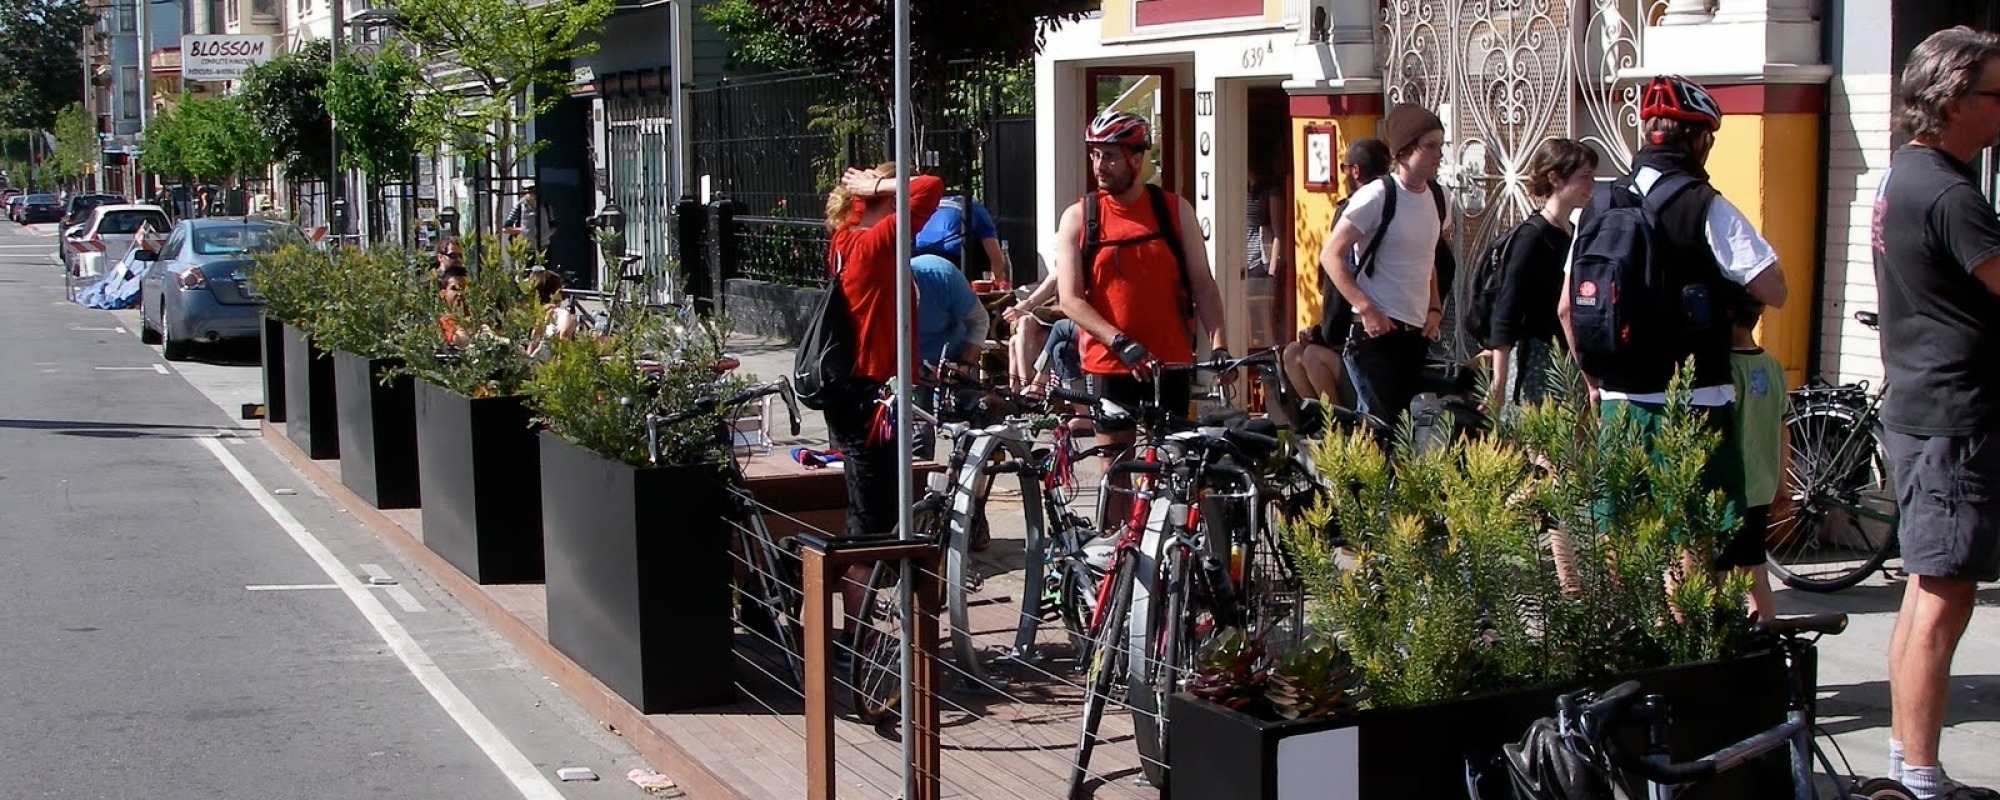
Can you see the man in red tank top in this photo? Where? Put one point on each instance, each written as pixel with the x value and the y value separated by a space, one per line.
pixel 1131 303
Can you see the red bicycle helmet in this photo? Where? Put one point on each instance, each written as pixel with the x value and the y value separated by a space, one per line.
pixel 1119 128
pixel 1675 97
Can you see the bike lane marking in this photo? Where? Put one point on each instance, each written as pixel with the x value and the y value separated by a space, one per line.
pixel 513 764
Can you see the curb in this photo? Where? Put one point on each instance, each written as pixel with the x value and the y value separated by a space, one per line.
pixel 617 715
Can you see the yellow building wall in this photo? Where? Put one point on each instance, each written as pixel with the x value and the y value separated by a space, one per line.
pixel 1116 20
pixel 1768 165
pixel 1312 212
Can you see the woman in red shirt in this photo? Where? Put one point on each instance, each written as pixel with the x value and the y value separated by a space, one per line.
pixel 861 212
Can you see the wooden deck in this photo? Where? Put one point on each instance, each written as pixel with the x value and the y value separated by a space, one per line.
pixel 1015 739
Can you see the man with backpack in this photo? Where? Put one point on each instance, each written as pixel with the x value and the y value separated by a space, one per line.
pixel 1131 272
pixel 964 234
pixel 1393 285
pixel 1658 259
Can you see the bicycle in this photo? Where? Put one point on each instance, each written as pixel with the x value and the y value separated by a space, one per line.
pixel 769 582
pixel 1583 736
pixel 1842 522
pixel 1207 575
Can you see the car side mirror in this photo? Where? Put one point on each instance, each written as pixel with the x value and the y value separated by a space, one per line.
pixel 145 256
pixel 73 232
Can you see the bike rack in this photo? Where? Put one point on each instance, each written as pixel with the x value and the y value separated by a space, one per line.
pixel 824 560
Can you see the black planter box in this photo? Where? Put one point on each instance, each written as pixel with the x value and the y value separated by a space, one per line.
pixel 378 431
pixel 482 483
pixel 271 343
pixel 311 412
pixel 1215 752
pixel 638 576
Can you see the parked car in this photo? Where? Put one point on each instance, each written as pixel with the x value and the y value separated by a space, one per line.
pixel 110 230
pixel 77 210
pixel 198 288
pixel 39 208
pixel 10 193
pixel 13 206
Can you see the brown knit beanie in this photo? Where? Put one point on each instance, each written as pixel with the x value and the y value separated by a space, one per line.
pixel 1405 124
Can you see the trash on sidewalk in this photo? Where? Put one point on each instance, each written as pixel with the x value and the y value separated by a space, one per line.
pixel 381 580
pixel 654 783
pixel 576 774
pixel 284 492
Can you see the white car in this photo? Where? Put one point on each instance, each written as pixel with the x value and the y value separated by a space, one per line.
pixel 108 233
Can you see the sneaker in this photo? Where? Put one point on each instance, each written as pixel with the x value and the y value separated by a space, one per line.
pixel 1959 791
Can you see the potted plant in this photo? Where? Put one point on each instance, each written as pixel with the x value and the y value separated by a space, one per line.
pixel 1448 599
pixel 298 373
pixel 637 553
pixel 371 295
pixel 480 465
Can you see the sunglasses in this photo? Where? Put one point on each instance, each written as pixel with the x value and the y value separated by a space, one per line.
pixel 1993 94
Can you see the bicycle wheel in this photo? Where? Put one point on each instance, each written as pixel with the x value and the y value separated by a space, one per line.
pixel 1834 521
pixel 770 591
pixel 1107 662
pixel 1158 663
pixel 876 673
pixel 1073 582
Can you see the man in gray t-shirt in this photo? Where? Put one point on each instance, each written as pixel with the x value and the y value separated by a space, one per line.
pixel 529 219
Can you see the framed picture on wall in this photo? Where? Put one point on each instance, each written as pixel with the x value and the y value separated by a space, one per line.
pixel 1320 172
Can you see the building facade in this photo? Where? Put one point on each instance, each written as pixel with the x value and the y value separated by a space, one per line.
pixel 1283 85
pixel 118 53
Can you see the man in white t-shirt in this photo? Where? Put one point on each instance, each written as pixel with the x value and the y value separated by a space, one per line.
pixel 1394 290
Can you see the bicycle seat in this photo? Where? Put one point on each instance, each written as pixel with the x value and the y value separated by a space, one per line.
pixel 1824 624
pixel 1870 319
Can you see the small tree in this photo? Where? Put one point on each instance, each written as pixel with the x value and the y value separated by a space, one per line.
pixel 206 138
pixel 283 96
pixel 494 64
pixel 76 145
pixel 373 101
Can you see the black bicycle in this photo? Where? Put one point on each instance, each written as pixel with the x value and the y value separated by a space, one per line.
pixel 1835 522
pixel 1578 755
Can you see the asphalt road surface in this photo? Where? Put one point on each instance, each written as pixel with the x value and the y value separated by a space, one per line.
pixel 183 617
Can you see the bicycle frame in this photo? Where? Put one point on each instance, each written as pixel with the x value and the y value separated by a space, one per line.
pixel 1846 457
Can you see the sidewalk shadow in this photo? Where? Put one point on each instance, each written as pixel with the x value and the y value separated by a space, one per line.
pixel 1974 698
pixel 244 353
pixel 1869 598
pixel 111 430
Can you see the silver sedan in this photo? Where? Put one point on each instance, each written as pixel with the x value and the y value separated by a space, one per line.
pixel 197 289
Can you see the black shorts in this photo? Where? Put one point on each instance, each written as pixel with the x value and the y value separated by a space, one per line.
pixel 1175 390
pixel 1947 503
pixel 1747 549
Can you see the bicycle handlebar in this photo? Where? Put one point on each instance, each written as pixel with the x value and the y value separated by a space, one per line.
pixel 708 405
pixel 1830 624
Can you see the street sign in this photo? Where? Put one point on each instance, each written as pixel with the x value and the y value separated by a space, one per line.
pixel 223 57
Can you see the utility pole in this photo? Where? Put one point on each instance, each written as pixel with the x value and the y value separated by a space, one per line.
pixel 336 202
pixel 140 184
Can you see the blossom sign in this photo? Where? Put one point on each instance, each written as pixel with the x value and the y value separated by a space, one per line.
pixel 219 57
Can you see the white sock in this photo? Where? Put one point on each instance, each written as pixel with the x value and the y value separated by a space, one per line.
pixel 1925 783
pixel 1895 760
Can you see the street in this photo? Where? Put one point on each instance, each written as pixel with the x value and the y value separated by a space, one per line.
pixel 187 617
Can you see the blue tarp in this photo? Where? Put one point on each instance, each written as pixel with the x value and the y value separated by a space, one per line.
pixel 119 288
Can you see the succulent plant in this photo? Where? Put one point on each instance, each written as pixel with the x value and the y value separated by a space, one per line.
pixel 1230 671
pixel 1319 679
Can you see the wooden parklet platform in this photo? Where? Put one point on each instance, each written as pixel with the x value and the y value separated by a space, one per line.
pixel 1014 742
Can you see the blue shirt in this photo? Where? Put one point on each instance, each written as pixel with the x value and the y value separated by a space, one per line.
pixel 940 235
pixel 943 299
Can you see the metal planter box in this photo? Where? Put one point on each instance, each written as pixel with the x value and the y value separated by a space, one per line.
pixel 378 431
pixel 639 576
pixel 271 344
pixel 482 484
pixel 1215 752
pixel 311 410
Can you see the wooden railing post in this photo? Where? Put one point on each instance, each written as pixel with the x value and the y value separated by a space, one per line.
pixel 817 619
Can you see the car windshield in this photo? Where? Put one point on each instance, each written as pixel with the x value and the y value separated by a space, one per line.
pixel 89 201
pixel 216 240
pixel 127 222
pixel 40 198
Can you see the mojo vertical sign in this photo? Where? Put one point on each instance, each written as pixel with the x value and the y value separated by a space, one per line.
pixel 215 57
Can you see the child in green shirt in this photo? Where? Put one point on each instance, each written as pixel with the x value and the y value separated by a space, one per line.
pixel 1760 432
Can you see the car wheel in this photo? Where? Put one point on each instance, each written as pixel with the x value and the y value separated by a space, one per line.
pixel 174 349
pixel 146 333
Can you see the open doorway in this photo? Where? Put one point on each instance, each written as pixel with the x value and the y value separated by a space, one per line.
pixel 1270 270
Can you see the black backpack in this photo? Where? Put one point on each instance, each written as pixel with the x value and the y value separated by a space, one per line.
pixel 823 367
pixel 1488 273
pixel 1093 241
pixel 1337 315
pixel 1626 305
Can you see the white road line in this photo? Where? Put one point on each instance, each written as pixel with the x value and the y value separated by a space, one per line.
pixel 403 598
pixel 288 587
pixel 125 369
pixel 513 764
pixel 160 368
pixel 123 331
pixel 99 330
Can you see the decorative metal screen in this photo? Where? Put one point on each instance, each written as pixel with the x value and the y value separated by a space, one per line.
pixel 637 146
pixel 1505 75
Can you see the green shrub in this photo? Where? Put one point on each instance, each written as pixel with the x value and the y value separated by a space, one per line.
pixel 502 316
pixel 1447 587
pixel 596 393
pixel 289 278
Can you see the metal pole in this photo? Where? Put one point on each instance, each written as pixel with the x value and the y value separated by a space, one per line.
pixel 905 432
pixel 334 178
pixel 145 92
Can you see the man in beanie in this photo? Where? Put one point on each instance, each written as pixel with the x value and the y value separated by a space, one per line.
pixel 1393 285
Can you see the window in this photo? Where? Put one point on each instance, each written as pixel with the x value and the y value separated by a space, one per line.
pixel 215 240
pixel 125 223
pixel 172 249
pixel 127 13
pixel 229 11
pixel 128 88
